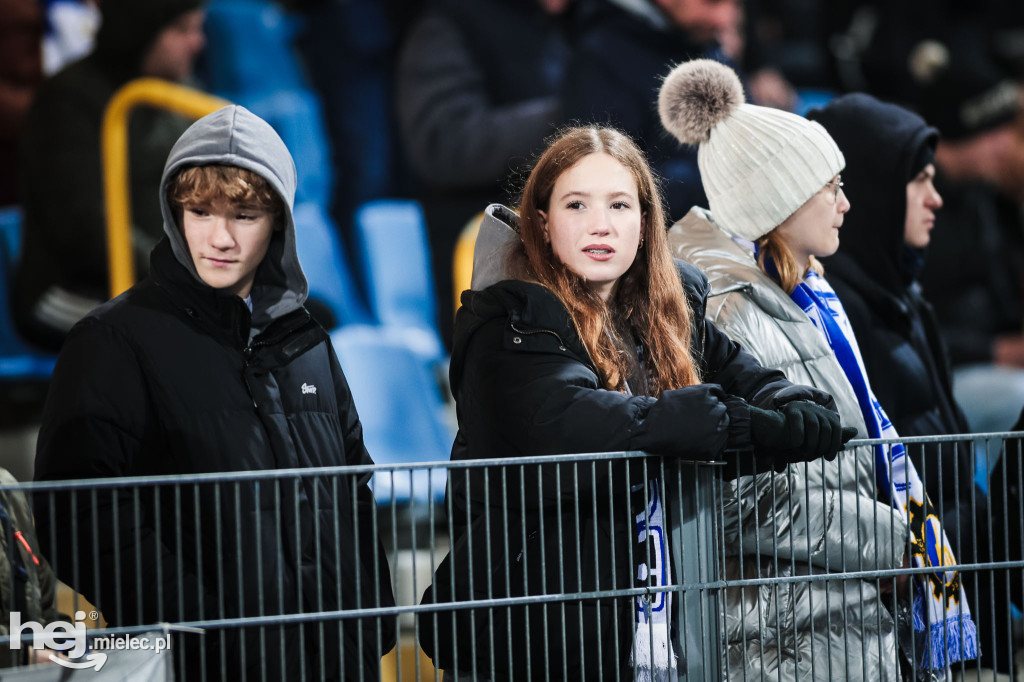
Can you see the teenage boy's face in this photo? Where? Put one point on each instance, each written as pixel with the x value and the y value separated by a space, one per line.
pixel 227 242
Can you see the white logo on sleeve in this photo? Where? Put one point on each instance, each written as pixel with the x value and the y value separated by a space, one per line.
pixel 308 388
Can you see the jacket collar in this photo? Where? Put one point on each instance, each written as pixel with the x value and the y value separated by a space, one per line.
pixel 892 308
pixel 527 309
pixel 225 315
pixel 728 266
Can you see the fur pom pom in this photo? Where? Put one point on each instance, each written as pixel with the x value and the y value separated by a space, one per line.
pixel 695 96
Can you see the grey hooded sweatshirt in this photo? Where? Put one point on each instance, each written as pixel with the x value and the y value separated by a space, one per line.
pixel 176 377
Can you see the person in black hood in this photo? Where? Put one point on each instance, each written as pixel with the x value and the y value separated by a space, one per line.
pixel 890 172
pixel 590 345
pixel 213 364
pixel 62 273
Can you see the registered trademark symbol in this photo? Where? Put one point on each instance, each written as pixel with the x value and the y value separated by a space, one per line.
pixel 93 615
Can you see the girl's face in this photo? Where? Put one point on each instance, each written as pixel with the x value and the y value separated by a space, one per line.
pixel 813 230
pixel 594 222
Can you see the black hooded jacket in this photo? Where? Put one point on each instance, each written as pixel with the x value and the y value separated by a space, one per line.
pixel 525 385
pixel 176 377
pixel 874 275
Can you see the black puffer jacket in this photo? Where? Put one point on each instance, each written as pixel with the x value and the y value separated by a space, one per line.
pixel 525 385
pixel 874 274
pixel 175 377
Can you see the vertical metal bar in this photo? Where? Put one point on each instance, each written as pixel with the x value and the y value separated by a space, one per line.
pixel 579 565
pixel 528 560
pixel 614 552
pixel 137 551
pixel 239 580
pixel 472 577
pixel 280 560
pixel 393 510
pixel 197 529
pixel 219 558
pixel 336 518
pixel 161 617
pixel 178 551
pixel 432 544
pixel 318 558
pixel 597 563
pixel 843 568
pixel 631 556
pixel 508 564
pixel 557 493
pixel 374 534
pixel 261 602
pixel 451 544
pixel 95 523
pixel 543 574
pixel 490 571
pixel 775 589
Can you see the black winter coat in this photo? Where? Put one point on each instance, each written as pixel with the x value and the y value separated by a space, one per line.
pixel 525 385
pixel 163 379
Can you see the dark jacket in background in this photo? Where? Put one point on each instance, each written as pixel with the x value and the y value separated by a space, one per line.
pixel 477 93
pixel 525 385
pixel 63 271
pixel 175 377
pixel 619 61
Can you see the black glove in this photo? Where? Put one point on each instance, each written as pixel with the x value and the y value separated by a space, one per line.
pixel 800 431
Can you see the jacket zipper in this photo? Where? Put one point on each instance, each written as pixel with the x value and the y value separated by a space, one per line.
pixel 743 286
pixel 246 356
pixel 561 344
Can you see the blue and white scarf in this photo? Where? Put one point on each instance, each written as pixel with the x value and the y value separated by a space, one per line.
pixel 942 618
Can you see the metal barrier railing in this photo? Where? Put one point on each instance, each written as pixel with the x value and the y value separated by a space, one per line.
pixel 283 572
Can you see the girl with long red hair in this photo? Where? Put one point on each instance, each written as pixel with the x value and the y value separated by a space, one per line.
pixel 594 340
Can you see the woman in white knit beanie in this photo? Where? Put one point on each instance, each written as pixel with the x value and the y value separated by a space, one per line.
pixel 777 204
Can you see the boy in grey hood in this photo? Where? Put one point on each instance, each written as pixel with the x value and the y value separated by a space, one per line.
pixel 212 364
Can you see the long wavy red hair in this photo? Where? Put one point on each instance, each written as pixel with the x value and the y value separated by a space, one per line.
pixel 648 296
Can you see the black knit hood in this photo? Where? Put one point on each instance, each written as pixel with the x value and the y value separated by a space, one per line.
pixel 885 147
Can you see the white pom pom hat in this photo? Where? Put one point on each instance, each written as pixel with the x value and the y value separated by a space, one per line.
pixel 758 165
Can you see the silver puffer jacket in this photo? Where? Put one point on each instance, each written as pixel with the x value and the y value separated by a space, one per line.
pixel 819 518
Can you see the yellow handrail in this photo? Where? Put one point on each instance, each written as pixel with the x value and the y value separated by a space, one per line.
pixel 114 147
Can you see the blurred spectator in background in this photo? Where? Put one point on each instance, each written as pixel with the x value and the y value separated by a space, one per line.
pixel 974 273
pixel 20 73
pixel 622 51
pixel 62 274
pixel 477 88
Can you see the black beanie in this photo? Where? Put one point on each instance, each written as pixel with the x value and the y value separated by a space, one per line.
pixel 130 26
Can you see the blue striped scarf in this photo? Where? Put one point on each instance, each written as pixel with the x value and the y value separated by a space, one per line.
pixel 942 619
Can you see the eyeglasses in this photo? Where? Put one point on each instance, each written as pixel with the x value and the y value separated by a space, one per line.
pixel 836 185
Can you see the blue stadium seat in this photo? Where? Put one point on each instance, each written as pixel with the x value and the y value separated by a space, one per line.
pixel 249 47
pixel 18 362
pixel 401 410
pixel 326 265
pixel 391 238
